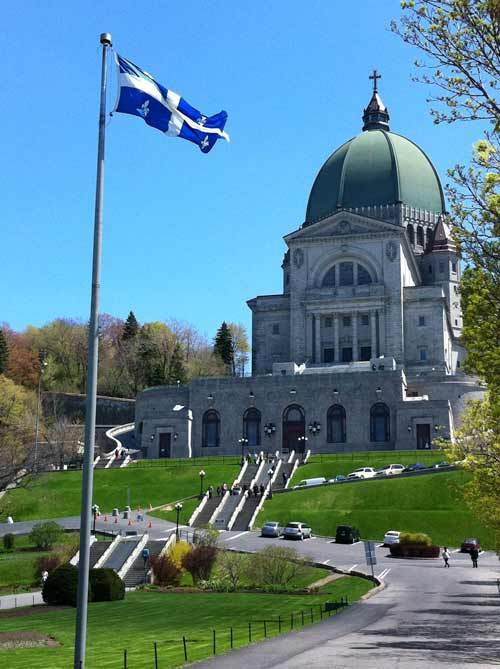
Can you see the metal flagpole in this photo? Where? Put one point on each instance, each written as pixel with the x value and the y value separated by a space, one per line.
pixel 90 408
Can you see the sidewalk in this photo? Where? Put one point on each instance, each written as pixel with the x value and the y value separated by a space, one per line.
pixel 22 599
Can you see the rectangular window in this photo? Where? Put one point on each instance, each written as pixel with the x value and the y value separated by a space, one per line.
pixel 346 274
pixel 276 328
pixel 430 269
pixel 423 354
pixel 456 322
pixel 454 267
pixel 421 320
pixel 365 353
pixel 346 321
pixel 347 354
pixel 441 267
pixel 328 322
pixel 328 355
pixel 364 319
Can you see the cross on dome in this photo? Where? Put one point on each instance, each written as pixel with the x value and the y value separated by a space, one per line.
pixel 374 77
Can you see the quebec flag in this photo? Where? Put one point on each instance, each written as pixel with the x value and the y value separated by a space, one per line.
pixel 140 95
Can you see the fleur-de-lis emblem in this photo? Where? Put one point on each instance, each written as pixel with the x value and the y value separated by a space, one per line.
pixel 202 120
pixel 204 143
pixel 144 109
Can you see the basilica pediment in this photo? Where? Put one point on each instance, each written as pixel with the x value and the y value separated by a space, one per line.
pixel 343 224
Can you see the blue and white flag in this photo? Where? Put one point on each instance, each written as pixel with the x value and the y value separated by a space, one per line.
pixel 140 95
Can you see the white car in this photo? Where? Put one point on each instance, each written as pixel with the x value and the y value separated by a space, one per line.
pixel 297 531
pixel 362 473
pixel 391 537
pixel 391 470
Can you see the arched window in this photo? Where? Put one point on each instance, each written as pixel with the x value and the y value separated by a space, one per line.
pixel 329 278
pixel 411 234
pixel 420 236
pixel 251 426
pixel 379 422
pixel 428 238
pixel 335 425
pixel 363 276
pixel 346 275
pixel 211 429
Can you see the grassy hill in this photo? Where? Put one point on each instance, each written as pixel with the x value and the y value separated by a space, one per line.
pixel 429 503
pixel 58 494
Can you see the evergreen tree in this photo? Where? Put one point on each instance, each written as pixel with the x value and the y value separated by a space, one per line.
pixel 131 327
pixel 4 353
pixel 177 371
pixel 224 347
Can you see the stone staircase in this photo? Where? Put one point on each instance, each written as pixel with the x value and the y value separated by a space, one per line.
pixel 97 551
pixel 135 575
pixel 207 511
pixel 120 553
pixel 245 515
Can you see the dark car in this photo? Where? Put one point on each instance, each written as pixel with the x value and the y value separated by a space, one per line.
pixel 469 544
pixel 417 467
pixel 346 534
pixel 442 465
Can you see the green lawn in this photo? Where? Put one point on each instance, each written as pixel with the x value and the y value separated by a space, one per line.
pixel 17 566
pixel 144 617
pixel 329 465
pixel 428 503
pixel 58 494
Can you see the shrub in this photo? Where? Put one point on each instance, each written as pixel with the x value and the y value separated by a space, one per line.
pixel 232 568
pixel 47 563
pixel 275 567
pixel 200 561
pixel 415 538
pixel 61 586
pixel 165 570
pixel 8 541
pixel 205 536
pixel 106 585
pixel 45 535
pixel 414 550
pixel 177 552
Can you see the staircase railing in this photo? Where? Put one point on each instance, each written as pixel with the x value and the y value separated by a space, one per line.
pixel 133 556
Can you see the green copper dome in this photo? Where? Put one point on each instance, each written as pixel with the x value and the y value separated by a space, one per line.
pixel 377 167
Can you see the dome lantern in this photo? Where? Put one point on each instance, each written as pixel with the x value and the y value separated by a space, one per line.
pixel 376 115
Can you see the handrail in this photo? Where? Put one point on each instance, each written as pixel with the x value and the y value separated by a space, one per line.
pixel 308 455
pixel 115 431
pixel 237 510
pixel 291 457
pixel 198 509
pixel 219 507
pixel 133 556
pixel 263 497
pixel 294 469
pixel 110 461
pixel 76 557
pixel 108 552
pixel 126 461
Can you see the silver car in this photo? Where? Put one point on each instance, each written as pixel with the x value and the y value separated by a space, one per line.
pixel 271 529
pixel 297 531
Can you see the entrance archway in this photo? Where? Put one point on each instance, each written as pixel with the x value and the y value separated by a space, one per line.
pixel 294 426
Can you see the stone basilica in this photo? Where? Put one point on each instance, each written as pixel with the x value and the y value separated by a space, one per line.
pixel 361 350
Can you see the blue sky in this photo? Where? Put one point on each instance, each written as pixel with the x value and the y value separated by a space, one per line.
pixel 186 235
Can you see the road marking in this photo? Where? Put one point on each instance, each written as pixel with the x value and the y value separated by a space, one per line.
pixel 236 536
pixel 383 574
pixel 456 550
pixel 326 561
pixel 353 567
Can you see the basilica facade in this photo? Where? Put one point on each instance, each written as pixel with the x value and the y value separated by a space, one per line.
pixel 361 350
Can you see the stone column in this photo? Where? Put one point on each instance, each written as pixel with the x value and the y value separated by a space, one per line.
pixel 336 338
pixel 309 337
pixel 354 319
pixel 381 331
pixel 373 331
pixel 317 338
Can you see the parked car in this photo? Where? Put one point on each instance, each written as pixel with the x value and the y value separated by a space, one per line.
pixel 306 483
pixel 442 465
pixel 346 534
pixel 391 537
pixel 362 473
pixel 338 479
pixel 271 529
pixel 417 467
pixel 470 544
pixel 297 531
pixel 390 470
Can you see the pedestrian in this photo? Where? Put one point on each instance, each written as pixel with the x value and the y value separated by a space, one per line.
pixel 474 554
pixel 210 491
pixel 285 478
pixel 218 491
pixel 256 490
pixel 446 556
pixel 117 454
pixel 224 487
pixel 45 576
pixel 10 520
pixel 262 489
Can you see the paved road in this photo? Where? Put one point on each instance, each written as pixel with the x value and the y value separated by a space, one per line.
pixel 427 616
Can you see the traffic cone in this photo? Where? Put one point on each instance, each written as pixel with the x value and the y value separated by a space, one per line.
pixel 129 522
pixel 149 524
pixel 105 519
pixel 116 519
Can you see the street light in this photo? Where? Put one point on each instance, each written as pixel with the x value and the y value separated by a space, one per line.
pixel 242 442
pixel 202 474
pixel 269 429
pixel 178 508
pixel 43 364
pixel 314 428
pixel 270 473
pixel 95 513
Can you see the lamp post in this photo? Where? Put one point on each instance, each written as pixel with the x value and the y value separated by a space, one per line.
pixel 202 474
pixel 270 473
pixel 242 442
pixel 41 370
pixel 269 429
pixel 95 513
pixel 314 428
pixel 178 508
